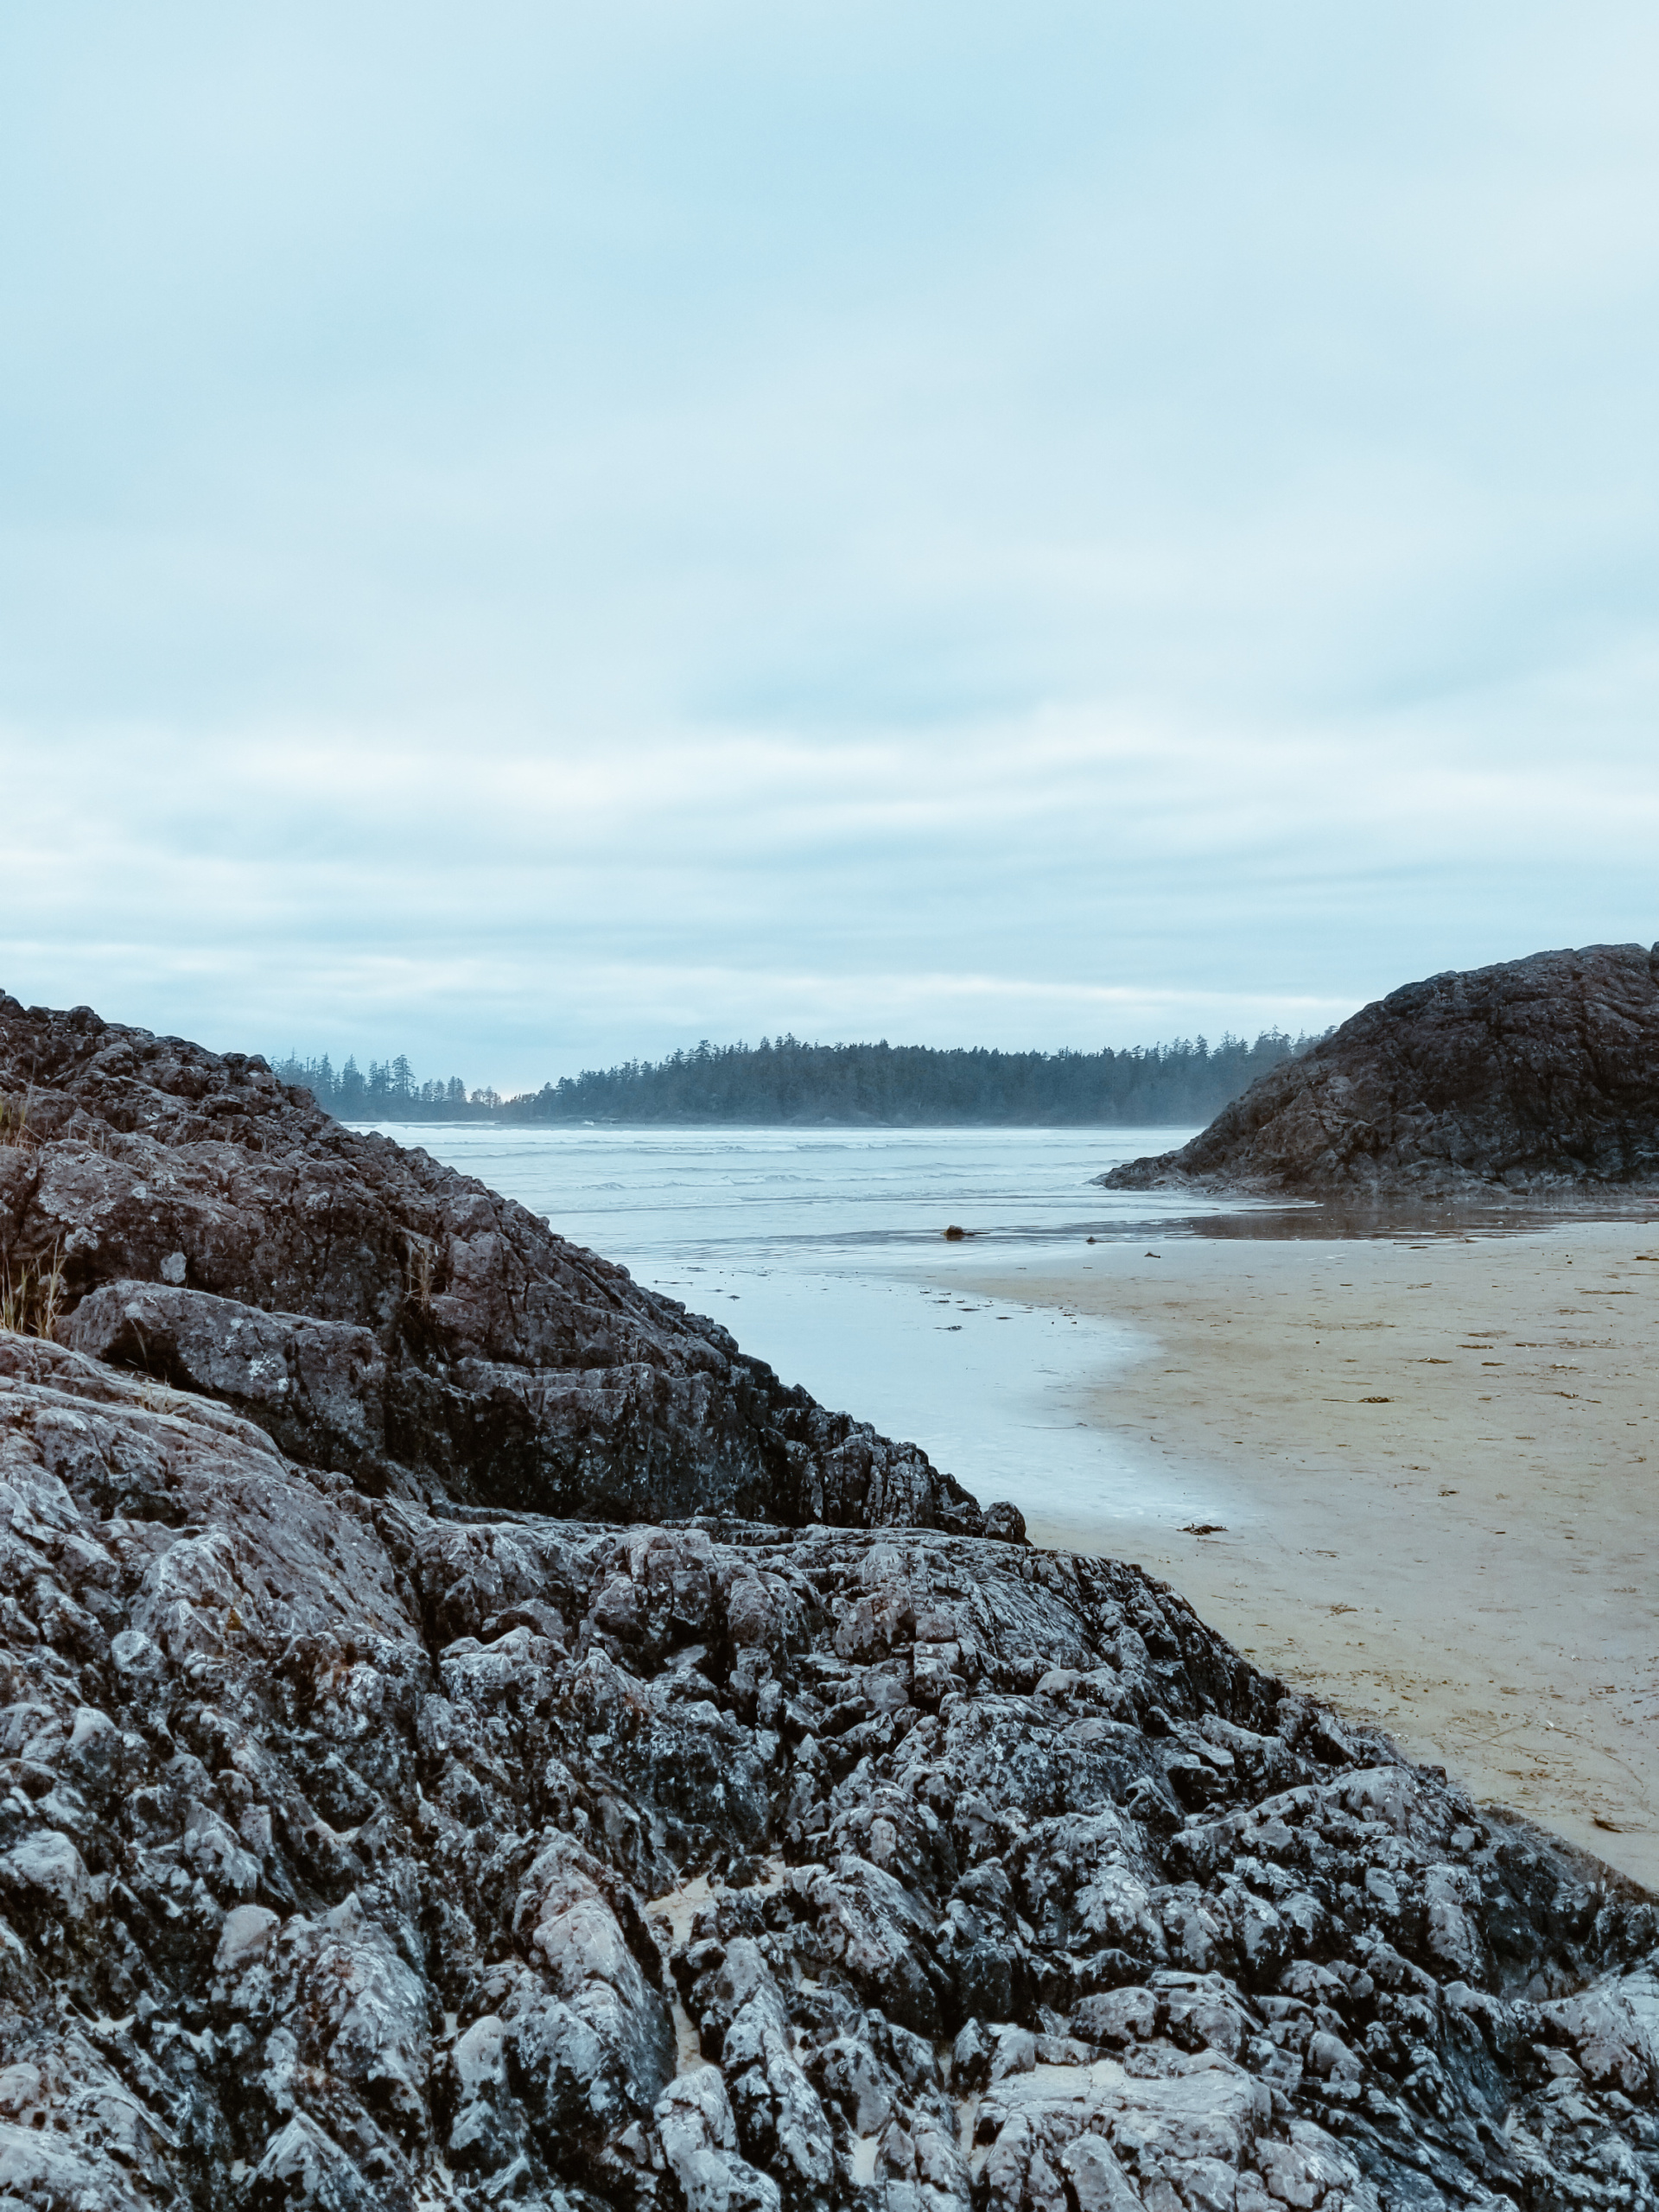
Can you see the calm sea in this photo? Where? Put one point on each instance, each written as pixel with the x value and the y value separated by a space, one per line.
pixel 822 1252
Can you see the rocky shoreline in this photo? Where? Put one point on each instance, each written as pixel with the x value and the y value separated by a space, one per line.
pixel 353 1857
pixel 373 1836
pixel 1534 1078
pixel 378 1314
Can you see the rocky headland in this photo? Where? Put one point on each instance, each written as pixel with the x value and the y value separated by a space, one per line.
pixel 187 1215
pixel 1535 1078
pixel 372 1836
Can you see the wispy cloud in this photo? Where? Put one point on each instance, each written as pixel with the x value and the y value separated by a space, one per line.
pixel 543 539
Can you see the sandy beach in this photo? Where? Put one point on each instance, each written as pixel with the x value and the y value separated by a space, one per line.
pixel 1436 1468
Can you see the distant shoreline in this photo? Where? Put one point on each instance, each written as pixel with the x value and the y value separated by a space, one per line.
pixel 484 1118
pixel 1182 1084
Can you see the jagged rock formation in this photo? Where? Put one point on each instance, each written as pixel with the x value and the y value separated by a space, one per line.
pixel 384 1316
pixel 1537 1075
pixel 358 1860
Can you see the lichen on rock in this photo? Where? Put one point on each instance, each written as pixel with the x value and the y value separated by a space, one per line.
pixel 350 1855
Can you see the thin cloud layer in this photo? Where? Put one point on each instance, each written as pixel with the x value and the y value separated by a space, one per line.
pixel 537 540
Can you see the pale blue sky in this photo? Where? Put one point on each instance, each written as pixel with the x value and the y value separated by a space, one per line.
pixel 531 534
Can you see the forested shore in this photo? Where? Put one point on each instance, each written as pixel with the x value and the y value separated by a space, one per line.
pixel 784 1080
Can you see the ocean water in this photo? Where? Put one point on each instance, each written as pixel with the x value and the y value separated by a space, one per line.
pixel 823 1251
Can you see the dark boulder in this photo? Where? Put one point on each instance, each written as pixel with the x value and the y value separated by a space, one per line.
pixel 1537 1075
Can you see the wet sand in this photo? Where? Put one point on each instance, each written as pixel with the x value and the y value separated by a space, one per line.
pixel 1438 1470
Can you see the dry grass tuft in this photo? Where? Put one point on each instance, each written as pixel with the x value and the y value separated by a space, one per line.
pixel 31 1294
pixel 422 1261
pixel 16 1135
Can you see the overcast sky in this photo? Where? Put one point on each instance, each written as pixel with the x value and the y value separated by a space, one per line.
pixel 532 533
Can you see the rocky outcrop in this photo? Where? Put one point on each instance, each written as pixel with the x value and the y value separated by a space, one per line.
pixel 185 1214
pixel 1538 1076
pixel 356 1857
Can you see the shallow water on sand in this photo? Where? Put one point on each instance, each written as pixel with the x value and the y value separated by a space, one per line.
pixel 823 1251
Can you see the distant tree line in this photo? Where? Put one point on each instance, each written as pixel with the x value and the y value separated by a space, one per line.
pixel 388 1092
pixel 784 1080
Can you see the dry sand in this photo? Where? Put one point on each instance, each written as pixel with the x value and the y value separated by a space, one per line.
pixel 1441 1477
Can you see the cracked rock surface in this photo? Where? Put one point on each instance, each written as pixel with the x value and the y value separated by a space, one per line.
pixel 382 1315
pixel 353 1857
pixel 1536 1075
